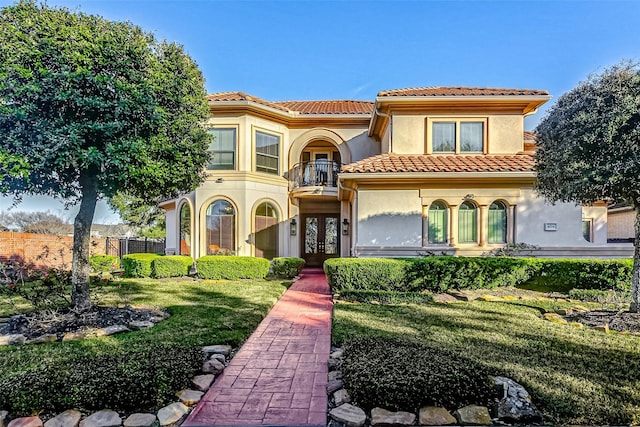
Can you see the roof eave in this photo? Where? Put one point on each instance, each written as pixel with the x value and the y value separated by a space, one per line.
pixel 415 175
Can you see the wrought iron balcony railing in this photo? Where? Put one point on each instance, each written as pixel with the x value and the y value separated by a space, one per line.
pixel 315 173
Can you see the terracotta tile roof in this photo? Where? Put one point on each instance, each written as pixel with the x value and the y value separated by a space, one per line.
pixel 442 163
pixel 329 107
pixel 241 96
pixel 530 136
pixel 460 91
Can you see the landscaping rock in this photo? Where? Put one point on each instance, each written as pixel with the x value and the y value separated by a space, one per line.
pixel 334 364
pixel 337 354
pixel 382 417
pixel 490 298
pixel 172 414
pixel 510 298
pixel 43 339
pixel 445 298
pixel 555 318
pixel 26 422
pixel 140 420
pixel 3 418
pixel 70 418
pixel 75 336
pixel 460 296
pixel 473 415
pixel 140 324
pixel 189 397
pixel 516 405
pixel 563 311
pixel 350 415
pixel 341 396
pixel 335 375
pixel 219 357
pixel 602 328
pixel 217 349
pixel 435 416
pixel 105 418
pixel 202 382
pixel 111 330
pixel 333 386
pixel 16 339
pixel 212 366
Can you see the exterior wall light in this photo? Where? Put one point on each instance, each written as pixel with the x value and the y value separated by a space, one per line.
pixel 469 197
pixel 293 227
pixel 345 227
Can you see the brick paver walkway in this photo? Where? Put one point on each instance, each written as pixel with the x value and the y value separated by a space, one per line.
pixel 279 376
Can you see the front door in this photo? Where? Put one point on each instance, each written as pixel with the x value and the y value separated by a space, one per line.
pixel 321 239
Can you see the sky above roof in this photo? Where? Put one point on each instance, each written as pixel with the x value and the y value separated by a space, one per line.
pixel 315 50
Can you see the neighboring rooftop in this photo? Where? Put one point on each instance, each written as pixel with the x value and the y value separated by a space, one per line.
pixel 461 91
pixel 442 163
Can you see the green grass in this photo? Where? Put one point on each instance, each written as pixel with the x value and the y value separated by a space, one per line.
pixel 203 312
pixel 576 376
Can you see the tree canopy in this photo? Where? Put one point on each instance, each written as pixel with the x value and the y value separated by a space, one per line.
pixel 589 146
pixel 90 107
pixel 147 218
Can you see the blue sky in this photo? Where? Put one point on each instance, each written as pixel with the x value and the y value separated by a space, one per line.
pixel 283 50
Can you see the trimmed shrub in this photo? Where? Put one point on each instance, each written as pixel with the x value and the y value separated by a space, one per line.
pixel 404 375
pixel 585 273
pixel 144 379
pixel 286 267
pixel 386 297
pixel 104 263
pixel 232 267
pixel 366 274
pixel 171 266
pixel 138 265
pixel 602 297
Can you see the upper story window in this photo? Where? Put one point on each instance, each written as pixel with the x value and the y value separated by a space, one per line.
pixel 267 153
pixel 223 148
pixel 458 136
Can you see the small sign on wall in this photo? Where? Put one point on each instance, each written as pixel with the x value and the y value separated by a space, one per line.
pixel 550 226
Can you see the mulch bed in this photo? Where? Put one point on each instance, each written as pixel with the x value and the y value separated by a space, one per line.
pixel 617 320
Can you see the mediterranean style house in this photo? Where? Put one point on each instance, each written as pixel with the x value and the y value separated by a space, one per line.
pixel 417 171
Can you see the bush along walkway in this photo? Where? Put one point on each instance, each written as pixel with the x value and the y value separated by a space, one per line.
pixel 279 376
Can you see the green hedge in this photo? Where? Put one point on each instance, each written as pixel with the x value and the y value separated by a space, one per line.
pixel 286 268
pixel 144 379
pixel 442 273
pixel 104 263
pixel 171 266
pixel 138 265
pixel 232 267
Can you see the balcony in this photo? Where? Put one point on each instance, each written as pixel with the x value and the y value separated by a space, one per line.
pixel 314 178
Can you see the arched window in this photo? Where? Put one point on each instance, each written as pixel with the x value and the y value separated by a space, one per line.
pixel 221 228
pixel 185 229
pixel 497 223
pixel 437 223
pixel 467 223
pixel 266 231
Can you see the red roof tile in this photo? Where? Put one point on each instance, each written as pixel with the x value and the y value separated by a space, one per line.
pixel 461 91
pixel 442 163
pixel 329 107
pixel 241 96
pixel 530 136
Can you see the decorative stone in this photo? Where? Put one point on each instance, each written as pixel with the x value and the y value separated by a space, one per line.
pixel 580 308
pixel 510 298
pixel 75 336
pixel 473 415
pixel 111 330
pixel 202 382
pixel 333 386
pixel 445 299
pixel 172 414
pixel 189 397
pixel 334 364
pixel 555 318
pixel 341 396
pixel 140 324
pixel 3 418
pixel 212 366
pixel 43 339
pixel 435 416
pixel 602 328
pixel 26 422
pixel 350 415
pixel 459 295
pixel 335 375
pixel 70 418
pixel 490 298
pixel 337 354
pixel 563 311
pixel 105 418
pixel 219 357
pixel 516 404
pixel 382 417
pixel 217 349
pixel 16 339
pixel 140 420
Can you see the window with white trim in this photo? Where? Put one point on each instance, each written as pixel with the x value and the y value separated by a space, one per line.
pixel 267 153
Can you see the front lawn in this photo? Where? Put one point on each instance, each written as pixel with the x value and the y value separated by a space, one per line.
pixel 202 313
pixel 576 376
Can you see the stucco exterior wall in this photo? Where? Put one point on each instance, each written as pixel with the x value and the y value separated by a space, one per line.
pixel 389 218
pixel 598 216
pixel 171 245
pixel 408 134
pixel 504 134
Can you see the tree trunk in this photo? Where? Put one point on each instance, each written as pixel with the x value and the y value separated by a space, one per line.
pixel 80 294
pixel 635 278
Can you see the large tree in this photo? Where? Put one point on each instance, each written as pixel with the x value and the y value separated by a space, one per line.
pixel 147 218
pixel 590 146
pixel 90 107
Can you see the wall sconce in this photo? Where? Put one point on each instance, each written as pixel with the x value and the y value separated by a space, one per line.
pixel 345 226
pixel 469 197
pixel 220 180
pixel 293 227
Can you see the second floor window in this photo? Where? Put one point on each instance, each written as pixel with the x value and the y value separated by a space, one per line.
pixel 267 153
pixel 457 136
pixel 223 148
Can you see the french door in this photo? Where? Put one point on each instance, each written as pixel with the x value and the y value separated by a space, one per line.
pixel 320 238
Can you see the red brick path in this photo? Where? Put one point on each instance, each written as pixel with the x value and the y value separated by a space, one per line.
pixel 279 376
